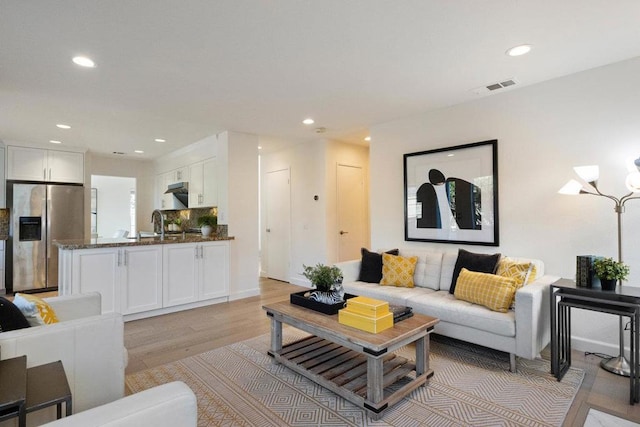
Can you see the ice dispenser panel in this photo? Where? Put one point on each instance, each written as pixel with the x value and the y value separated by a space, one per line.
pixel 30 228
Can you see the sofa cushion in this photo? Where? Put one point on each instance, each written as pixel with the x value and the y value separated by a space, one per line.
pixel 493 291
pixel 481 263
pixel 371 265
pixel 398 270
pixel 522 272
pixel 11 318
pixel 428 268
pixel 447 308
pixel 392 294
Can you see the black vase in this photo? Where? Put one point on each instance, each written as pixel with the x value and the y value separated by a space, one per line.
pixel 608 284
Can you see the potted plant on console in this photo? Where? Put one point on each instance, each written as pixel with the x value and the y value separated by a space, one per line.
pixel 207 224
pixel 609 272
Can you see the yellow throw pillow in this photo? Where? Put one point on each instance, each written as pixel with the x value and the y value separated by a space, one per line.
pixel 45 311
pixel 398 270
pixel 522 272
pixel 490 290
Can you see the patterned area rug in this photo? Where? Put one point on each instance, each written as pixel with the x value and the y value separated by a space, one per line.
pixel 239 385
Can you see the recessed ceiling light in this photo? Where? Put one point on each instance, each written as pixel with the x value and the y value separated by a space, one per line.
pixel 519 50
pixel 367 138
pixel 259 147
pixel 308 121
pixel 53 141
pixel 160 140
pixel 63 126
pixel 138 151
pixel 83 61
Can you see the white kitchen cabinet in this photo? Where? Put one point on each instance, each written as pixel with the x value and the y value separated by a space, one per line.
pixel 180 265
pixel 214 270
pixel 178 175
pixel 97 270
pixel 141 278
pixel 203 185
pixel 195 272
pixel 35 164
pixel 129 278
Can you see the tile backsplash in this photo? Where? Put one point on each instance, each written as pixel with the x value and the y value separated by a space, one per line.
pixel 4 224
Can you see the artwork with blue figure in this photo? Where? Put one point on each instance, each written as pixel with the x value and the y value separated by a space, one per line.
pixel 464 199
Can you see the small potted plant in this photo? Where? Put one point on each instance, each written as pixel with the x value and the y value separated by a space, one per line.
pixel 207 224
pixel 609 272
pixel 327 281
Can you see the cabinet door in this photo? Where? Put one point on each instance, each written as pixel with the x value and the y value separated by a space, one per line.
pixel 65 166
pixel 195 185
pixel 214 270
pixel 179 266
pixel 158 201
pixel 181 174
pixel 141 282
pixel 210 183
pixel 167 199
pixel 28 164
pixel 97 270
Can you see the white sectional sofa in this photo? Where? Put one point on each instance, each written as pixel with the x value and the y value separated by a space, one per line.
pixel 522 332
pixel 167 405
pixel 89 344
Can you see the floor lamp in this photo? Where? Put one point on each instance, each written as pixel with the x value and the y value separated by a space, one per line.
pixel 617 365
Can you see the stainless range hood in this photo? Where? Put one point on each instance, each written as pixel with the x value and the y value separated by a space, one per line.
pixel 180 191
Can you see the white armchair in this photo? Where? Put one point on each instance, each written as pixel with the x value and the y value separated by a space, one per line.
pixel 167 405
pixel 89 344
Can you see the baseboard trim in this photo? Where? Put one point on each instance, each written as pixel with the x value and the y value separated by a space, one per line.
pixel 244 294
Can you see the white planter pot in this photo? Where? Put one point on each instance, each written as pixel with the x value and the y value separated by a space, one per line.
pixel 206 230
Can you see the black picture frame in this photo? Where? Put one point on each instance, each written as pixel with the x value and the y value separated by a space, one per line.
pixel 451 195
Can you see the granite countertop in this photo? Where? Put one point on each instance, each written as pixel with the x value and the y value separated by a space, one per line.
pixel 119 242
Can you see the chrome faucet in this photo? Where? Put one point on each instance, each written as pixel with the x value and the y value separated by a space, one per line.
pixel 153 214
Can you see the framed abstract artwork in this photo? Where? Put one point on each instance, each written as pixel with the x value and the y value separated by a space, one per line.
pixel 451 194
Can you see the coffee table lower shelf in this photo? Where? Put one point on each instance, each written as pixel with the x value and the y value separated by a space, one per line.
pixel 344 372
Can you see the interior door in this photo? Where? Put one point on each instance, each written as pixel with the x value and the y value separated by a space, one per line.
pixel 278 223
pixel 351 212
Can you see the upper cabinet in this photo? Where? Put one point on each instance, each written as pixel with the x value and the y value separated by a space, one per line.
pixel 203 184
pixel 35 164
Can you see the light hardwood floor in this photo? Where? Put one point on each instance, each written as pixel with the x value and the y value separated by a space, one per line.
pixel 158 340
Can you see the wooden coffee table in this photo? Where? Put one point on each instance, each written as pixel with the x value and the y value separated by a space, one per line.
pixel 354 364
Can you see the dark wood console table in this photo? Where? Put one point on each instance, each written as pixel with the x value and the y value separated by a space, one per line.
pixel 623 301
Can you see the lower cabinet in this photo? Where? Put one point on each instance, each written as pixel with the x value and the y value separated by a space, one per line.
pixel 195 272
pixel 138 279
pixel 129 279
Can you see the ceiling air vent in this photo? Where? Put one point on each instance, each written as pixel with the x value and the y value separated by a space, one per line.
pixel 495 86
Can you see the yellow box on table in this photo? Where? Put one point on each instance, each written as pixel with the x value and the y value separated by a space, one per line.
pixel 366 314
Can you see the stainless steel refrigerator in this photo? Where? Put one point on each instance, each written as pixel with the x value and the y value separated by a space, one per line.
pixel 40 213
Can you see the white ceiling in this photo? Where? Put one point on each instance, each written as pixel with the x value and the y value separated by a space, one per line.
pixel 185 69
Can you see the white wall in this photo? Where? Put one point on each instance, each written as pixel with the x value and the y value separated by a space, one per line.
pixel 113 203
pixel 313 167
pixel 543 131
pixel 241 211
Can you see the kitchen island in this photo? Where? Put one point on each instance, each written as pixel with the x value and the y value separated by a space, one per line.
pixel 147 276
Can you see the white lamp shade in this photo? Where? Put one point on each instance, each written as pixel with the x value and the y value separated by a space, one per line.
pixel 571 188
pixel 588 173
pixel 633 182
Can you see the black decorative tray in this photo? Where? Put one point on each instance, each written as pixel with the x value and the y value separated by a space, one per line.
pixel 298 298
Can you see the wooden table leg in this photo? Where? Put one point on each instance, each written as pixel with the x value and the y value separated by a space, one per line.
pixel 422 356
pixel 276 335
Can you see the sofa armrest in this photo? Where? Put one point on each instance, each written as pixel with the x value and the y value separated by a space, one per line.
pixel 172 404
pixel 91 350
pixel 77 306
pixel 350 270
pixel 533 327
